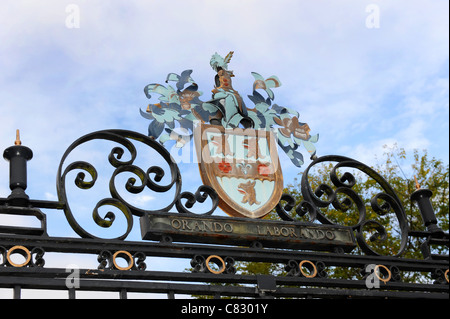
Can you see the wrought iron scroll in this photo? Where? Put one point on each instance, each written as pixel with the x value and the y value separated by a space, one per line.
pixel 149 178
pixel 339 193
pixel 324 195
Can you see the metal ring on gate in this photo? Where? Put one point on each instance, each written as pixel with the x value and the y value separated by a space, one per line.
pixel 125 255
pixel 446 275
pixel 314 268
pixel 221 269
pixel 385 268
pixel 20 250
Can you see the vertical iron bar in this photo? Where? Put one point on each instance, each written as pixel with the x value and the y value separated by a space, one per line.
pixel 422 197
pixel 18 155
pixel 72 293
pixel 123 294
pixel 17 292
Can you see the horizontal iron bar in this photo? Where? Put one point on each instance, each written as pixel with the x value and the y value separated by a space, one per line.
pixel 21 230
pixel 202 289
pixel 37 203
pixel 176 250
pixel 425 233
pixel 47 204
pixel 129 286
pixel 208 277
pixel 356 294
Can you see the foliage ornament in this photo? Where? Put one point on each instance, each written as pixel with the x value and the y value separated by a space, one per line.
pixel 179 108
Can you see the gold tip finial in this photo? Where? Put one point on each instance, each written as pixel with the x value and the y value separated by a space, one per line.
pixel 417 183
pixel 228 57
pixel 17 142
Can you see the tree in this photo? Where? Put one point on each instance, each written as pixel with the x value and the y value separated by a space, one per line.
pixel 430 173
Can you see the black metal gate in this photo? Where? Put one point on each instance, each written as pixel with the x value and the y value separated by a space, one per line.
pixel 211 260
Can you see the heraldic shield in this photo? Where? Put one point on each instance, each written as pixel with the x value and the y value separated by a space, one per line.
pixel 242 165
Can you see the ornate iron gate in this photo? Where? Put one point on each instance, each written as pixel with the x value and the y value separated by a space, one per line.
pixel 212 246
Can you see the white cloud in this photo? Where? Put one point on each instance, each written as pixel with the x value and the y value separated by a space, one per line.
pixel 358 88
pixel 351 84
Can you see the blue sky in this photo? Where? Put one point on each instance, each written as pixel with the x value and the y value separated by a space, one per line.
pixel 359 87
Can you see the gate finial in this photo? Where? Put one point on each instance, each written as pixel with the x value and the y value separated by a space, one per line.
pixel 417 183
pixel 18 141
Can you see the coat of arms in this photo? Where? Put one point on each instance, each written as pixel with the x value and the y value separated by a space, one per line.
pixel 236 145
pixel 242 166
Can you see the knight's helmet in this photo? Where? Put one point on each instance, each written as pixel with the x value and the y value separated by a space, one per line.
pixel 218 63
pixel 223 81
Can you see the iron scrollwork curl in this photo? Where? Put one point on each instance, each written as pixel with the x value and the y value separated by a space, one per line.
pixel 150 179
pixel 200 196
pixel 301 210
pixel 315 269
pixel 3 252
pixel 325 195
pixel 37 259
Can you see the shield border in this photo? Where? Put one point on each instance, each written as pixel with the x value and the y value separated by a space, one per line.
pixel 226 203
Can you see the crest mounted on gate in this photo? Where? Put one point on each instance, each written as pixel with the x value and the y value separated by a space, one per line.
pixel 242 165
pixel 236 147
